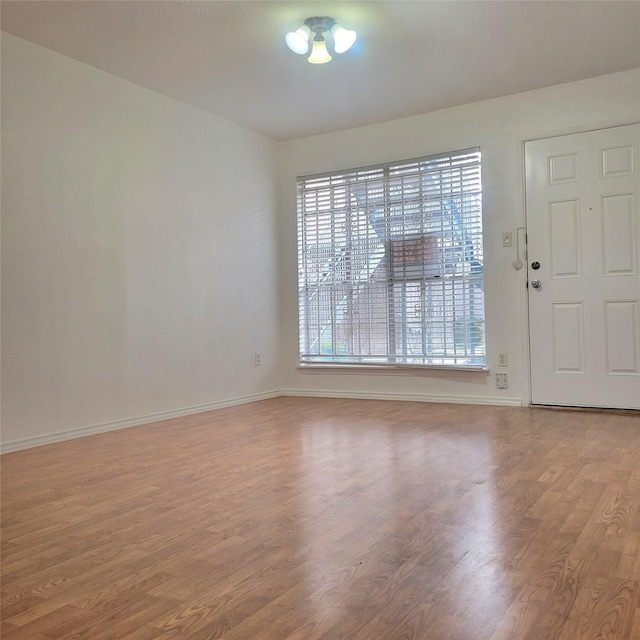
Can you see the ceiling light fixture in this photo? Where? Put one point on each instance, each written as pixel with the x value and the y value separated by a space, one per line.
pixel 320 27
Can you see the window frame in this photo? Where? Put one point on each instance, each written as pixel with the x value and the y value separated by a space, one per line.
pixel 402 243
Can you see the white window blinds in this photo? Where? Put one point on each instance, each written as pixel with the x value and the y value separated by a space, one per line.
pixel 391 266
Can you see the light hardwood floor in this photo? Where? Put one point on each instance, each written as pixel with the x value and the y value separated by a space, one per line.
pixel 309 519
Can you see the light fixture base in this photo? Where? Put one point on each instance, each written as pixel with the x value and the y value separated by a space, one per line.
pixel 319 24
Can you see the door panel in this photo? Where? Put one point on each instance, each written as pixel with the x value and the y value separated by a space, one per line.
pixel 583 228
pixel 565 238
pixel 568 337
pixel 618 232
pixel 621 327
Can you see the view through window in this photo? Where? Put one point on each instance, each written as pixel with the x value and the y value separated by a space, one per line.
pixel 391 265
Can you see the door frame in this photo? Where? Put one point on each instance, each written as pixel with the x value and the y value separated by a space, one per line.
pixel 527 359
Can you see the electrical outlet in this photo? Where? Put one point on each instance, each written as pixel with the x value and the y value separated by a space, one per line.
pixel 501 380
pixel 503 359
pixel 507 239
pixel 258 358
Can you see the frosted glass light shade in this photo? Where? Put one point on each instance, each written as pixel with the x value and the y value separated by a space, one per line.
pixel 319 53
pixel 343 39
pixel 317 37
pixel 298 40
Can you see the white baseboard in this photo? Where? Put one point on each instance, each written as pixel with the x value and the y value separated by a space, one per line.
pixel 407 397
pixel 81 432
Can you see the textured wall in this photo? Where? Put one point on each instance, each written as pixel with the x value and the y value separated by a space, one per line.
pixel 149 249
pixel 499 127
pixel 138 245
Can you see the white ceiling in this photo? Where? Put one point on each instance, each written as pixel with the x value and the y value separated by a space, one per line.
pixel 229 58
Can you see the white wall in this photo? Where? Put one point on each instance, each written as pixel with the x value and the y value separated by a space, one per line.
pixel 499 127
pixel 149 248
pixel 139 269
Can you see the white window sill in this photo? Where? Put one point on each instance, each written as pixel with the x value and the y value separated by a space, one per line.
pixel 397 369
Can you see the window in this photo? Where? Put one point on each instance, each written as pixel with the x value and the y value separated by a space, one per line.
pixel 391 266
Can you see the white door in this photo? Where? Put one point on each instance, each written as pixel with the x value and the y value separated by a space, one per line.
pixel 583 230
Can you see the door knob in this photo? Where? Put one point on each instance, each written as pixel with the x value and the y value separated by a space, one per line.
pixel 536 284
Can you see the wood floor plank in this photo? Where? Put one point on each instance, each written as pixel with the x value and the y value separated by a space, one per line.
pixel 324 519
